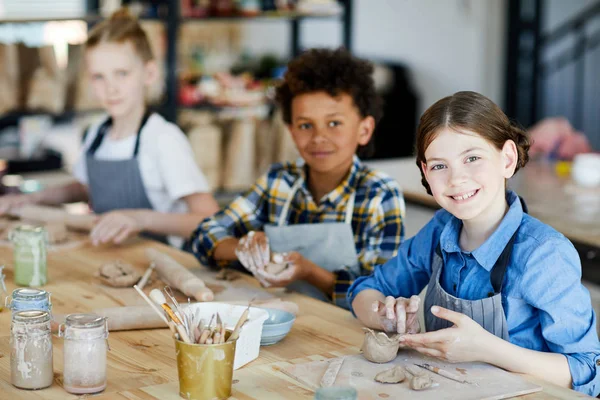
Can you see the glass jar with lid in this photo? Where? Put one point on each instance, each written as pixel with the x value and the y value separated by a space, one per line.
pixel 24 299
pixel 31 350
pixel 84 350
pixel 29 250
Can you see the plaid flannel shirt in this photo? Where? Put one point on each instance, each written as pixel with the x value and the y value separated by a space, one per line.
pixel 376 222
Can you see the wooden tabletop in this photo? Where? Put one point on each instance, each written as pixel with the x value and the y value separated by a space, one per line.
pixel 555 200
pixel 141 364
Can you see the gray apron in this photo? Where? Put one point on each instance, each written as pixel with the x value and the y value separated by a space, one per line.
pixel 487 312
pixel 117 184
pixel 329 245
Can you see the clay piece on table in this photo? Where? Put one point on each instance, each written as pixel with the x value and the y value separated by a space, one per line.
pixel 420 382
pixel 57 232
pixel 392 375
pixel 118 274
pixel 228 275
pixel 378 347
pixel 275 268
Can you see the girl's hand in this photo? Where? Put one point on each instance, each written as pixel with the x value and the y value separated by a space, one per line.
pixel 399 315
pixel 464 342
pixel 116 226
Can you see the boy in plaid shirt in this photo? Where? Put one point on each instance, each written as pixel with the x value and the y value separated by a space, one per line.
pixel 326 218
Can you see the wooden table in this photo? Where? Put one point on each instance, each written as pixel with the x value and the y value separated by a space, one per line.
pixel 574 211
pixel 141 364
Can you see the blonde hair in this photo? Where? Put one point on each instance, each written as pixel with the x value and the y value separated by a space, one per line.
pixel 120 28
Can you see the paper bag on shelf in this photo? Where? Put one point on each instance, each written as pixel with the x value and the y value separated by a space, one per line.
pixel 9 77
pixel 265 146
pixel 206 142
pixel 47 84
pixel 239 172
pixel 285 148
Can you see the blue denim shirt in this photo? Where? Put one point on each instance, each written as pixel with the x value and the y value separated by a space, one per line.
pixel 547 308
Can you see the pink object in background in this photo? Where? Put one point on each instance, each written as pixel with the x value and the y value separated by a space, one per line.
pixel 555 137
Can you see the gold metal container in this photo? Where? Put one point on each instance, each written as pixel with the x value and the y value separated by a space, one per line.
pixel 205 370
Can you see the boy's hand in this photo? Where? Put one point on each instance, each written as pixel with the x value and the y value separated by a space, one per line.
pixel 254 253
pixel 464 342
pixel 398 315
pixel 297 268
pixel 116 226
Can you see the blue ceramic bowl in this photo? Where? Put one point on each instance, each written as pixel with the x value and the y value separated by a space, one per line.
pixel 276 327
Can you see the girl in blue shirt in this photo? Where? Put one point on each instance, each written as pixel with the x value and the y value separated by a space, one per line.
pixel 502 287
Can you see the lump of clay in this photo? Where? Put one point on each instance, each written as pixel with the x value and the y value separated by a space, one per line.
pixel 57 232
pixel 393 375
pixel 378 347
pixel 420 382
pixel 275 268
pixel 118 274
pixel 228 275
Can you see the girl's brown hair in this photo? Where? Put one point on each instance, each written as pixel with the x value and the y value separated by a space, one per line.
pixel 120 28
pixel 469 111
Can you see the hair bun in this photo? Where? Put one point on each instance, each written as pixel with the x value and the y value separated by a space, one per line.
pixel 121 14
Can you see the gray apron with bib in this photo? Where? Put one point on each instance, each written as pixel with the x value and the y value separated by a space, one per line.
pixel 329 245
pixel 117 184
pixel 487 312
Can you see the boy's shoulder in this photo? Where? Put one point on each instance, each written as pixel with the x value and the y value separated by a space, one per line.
pixel 374 182
pixel 288 171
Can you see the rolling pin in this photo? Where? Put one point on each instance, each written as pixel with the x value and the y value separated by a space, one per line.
pixel 179 277
pixel 125 318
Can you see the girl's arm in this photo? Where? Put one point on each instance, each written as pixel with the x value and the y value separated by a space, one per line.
pixel 69 193
pixel 200 205
pixel 552 367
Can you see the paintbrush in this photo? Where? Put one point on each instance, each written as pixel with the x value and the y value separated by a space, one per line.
pixel 157 296
pixel 443 372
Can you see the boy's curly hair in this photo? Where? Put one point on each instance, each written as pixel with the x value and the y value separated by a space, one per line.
pixel 334 72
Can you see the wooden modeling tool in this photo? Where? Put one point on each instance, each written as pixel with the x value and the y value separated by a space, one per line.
pixel 442 372
pixel 144 279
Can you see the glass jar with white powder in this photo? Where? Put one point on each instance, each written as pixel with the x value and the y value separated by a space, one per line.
pixel 85 346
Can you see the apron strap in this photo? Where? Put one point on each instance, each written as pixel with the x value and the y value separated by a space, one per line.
pixel 286 206
pixel 102 132
pixel 99 136
pixel 499 269
pixel 350 208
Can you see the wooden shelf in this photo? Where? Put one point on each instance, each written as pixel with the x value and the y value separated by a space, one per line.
pixel 86 18
pixel 267 16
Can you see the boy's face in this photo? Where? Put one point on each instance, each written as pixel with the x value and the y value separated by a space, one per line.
pixel 118 77
pixel 327 130
pixel 467 174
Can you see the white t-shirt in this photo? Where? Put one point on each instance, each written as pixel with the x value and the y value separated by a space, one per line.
pixel 167 165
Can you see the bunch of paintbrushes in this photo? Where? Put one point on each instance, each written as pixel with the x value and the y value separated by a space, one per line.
pixel 188 326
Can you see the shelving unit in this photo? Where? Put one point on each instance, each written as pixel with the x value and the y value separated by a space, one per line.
pixel 174 21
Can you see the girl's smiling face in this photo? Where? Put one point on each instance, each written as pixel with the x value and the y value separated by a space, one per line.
pixel 467 174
